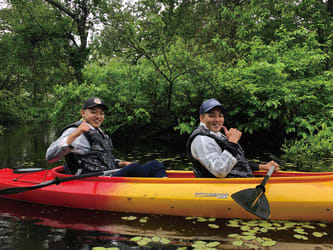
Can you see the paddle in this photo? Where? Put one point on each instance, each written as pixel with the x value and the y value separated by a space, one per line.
pixel 56 181
pixel 254 199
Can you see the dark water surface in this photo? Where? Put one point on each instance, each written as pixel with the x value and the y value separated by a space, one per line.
pixel 30 226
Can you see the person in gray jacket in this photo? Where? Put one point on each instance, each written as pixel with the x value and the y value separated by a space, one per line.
pixel 215 154
pixel 86 148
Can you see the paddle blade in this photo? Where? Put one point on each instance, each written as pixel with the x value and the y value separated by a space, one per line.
pixel 254 201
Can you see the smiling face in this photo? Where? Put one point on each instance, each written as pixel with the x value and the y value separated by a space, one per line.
pixel 214 119
pixel 93 116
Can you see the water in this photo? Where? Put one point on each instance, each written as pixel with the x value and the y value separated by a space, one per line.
pixel 30 226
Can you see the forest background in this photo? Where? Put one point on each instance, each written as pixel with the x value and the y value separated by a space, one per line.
pixel 154 61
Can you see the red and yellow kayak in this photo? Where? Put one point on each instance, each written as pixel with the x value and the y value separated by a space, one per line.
pixel 291 195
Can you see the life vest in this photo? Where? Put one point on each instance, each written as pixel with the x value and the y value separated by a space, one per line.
pixel 241 169
pixel 99 158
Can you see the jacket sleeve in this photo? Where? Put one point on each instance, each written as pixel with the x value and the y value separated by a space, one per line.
pixel 210 155
pixel 60 148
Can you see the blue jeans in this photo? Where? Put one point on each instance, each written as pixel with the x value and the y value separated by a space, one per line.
pixel 149 169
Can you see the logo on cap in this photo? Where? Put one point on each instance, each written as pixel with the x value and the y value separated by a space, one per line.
pixel 97 100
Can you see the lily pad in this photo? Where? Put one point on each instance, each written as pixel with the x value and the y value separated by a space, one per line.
pixel 234 236
pixel 318 234
pixel 245 228
pixel 213 226
pixel 300 231
pixel 144 219
pixel 200 242
pixel 190 218
pixel 201 219
pixel 129 217
pixel 213 244
pixel 251 246
pixel 300 237
pixel 165 241
pixel 137 238
pixel 156 239
pixel 249 237
pixel 237 243
pixel 269 243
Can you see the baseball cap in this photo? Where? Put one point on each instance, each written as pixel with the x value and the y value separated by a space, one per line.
pixel 94 102
pixel 209 105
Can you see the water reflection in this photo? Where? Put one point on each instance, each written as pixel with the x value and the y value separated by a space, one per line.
pixel 31 226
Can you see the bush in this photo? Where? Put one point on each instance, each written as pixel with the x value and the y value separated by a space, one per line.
pixel 311 152
pixel 13 108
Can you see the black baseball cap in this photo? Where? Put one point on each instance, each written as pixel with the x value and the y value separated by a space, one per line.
pixel 94 102
pixel 208 105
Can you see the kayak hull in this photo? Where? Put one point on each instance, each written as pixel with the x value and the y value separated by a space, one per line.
pixel 291 195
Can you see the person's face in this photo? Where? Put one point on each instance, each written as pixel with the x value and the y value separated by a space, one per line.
pixel 214 119
pixel 94 116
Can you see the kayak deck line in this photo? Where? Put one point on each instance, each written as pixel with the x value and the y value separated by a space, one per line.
pixel 291 195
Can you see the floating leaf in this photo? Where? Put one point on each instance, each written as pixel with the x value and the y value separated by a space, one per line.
pixel 156 239
pixel 300 231
pixel 317 234
pixel 249 233
pixel 233 225
pixel 201 219
pixel 322 225
pixel 300 237
pixel 200 242
pixel 144 219
pixel 268 243
pixel 212 219
pixel 233 236
pixel 181 248
pixel 189 218
pixel 129 217
pixel 251 246
pixel 137 238
pixel 198 246
pixel 213 226
pixel 244 228
pixel 213 244
pixel 237 243
pixel 98 248
pixel 249 237
pixel 309 226
pixel 165 241
pixel 142 242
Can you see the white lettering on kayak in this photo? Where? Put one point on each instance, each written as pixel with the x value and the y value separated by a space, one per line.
pixel 217 195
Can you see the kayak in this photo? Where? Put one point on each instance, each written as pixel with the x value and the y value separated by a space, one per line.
pixel 304 196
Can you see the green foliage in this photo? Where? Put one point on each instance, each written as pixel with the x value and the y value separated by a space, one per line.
pixel 269 62
pixel 12 108
pixel 186 127
pixel 2 130
pixel 309 153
